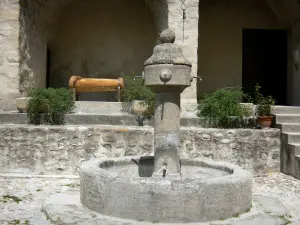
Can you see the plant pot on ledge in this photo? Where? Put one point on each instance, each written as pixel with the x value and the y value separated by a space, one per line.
pixel 21 104
pixel 265 119
pixel 138 107
pixel 263 108
pixel 265 122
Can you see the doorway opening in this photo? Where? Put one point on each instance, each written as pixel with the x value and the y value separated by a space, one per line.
pixel 265 62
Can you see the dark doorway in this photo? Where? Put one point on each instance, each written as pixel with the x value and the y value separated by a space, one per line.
pixel 48 68
pixel 265 62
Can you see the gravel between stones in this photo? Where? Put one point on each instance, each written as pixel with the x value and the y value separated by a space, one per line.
pixel 21 198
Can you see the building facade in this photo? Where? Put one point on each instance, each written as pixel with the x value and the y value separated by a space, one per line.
pixel 229 42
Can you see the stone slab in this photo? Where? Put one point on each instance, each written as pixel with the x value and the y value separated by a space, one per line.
pixel 269 205
pixel 107 108
pixel 65 208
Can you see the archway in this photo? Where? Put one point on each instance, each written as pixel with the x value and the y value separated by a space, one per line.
pixel 90 38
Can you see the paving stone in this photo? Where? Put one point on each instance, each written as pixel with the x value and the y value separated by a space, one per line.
pixel 65 208
pixel 262 219
pixel 269 204
pixel 33 190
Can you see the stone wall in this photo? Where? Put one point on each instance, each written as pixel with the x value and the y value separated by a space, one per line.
pixel 9 52
pixel 190 42
pixel 61 149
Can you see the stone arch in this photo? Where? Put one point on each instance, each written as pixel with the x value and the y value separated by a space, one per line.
pixel 44 24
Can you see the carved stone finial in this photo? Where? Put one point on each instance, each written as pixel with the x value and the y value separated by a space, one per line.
pixel 167 36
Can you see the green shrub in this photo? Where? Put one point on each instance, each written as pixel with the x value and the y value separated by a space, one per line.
pixel 135 89
pixel 222 109
pixel 49 106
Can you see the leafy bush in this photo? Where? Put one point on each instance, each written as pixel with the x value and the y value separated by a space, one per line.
pixel 135 89
pixel 264 104
pixel 49 106
pixel 222 109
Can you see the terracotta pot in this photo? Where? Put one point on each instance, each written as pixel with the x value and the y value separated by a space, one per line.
pixel 21 104
pixel 137 108
pixel 265 122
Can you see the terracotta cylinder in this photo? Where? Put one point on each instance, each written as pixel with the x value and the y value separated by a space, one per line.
pixel 95 84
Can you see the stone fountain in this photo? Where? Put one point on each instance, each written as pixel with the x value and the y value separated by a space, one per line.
pixel 165 188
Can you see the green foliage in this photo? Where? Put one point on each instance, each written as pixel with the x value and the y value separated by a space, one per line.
pixel 49 106
pixel 264 104
pixel 135 89
pixel 222 109
pixel 7 198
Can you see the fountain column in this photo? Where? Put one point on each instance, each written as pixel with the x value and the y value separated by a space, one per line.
pixel 167 73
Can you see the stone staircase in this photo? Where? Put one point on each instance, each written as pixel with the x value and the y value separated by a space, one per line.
pixel 288 120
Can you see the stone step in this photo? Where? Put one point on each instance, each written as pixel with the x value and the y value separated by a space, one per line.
pixel 99 107
pixel 278 109
pixel 94 119
pixel 289 127
pixel 295 147
pixel 292 138
pixel 297 166
pixel 95 107
pixel 288 118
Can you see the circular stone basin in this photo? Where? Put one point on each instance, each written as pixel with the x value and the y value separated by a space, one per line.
pixel 124 188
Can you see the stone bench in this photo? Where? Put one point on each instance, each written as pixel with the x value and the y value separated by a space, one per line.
pixel 79 84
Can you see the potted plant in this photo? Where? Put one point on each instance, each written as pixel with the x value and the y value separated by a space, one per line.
pixel 138 99
pixel 263 108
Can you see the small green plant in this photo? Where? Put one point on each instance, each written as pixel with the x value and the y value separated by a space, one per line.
pixel 7 198
pixel 264 104
pixel 49 106
pixel 222 109
pixel 72 185
pixel 135 89
pixel 15 222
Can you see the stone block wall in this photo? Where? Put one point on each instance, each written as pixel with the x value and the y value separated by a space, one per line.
pixel 188 42
pixel 9 52
pixel 61 149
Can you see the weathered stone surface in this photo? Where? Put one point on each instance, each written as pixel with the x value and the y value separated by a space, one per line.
pixel 269 205
pixel 262 219
pixel 61 149
pixel 9 54
pixel 65 208
pixel 33 190
pixel 206 191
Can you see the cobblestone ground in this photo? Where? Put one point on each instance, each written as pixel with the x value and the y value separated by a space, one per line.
pixel 21 198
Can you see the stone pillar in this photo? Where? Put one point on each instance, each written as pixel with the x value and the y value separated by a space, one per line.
pixel 9 53
pixel 189 45
pixel 167 139
pixel 167 73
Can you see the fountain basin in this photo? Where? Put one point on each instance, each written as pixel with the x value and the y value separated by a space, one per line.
pixel 124 188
